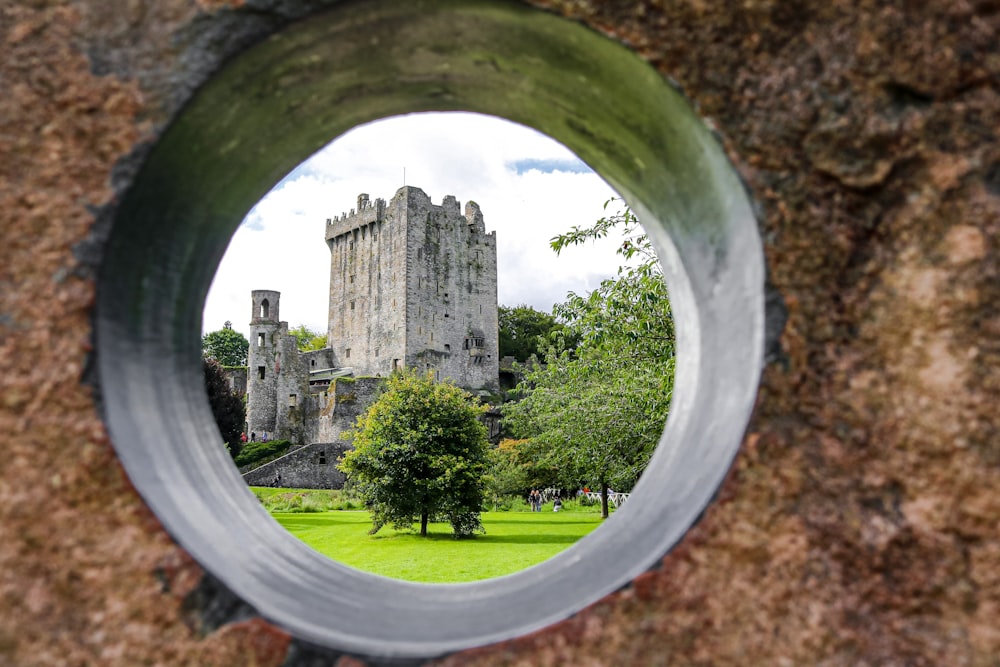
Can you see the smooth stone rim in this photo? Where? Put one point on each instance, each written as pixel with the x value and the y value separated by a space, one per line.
pixel 285 98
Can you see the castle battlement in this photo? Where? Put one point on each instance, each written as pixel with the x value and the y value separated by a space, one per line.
pixel 366 213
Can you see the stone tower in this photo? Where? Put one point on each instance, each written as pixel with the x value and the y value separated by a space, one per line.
pixel 263 364
pixel 414 285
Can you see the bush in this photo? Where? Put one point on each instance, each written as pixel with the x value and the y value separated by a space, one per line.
pixel 303 500
pixel 257 453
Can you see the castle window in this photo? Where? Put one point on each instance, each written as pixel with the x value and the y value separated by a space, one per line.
pixel 420 254
pixel 312 362
pixel 347 353
pixel 395 364
pixel 446 314
pixel 376 351
pixel 293 399
pixel 260 340
pixel 260 372
pixel 322 458
pixel 432 336
pixel 447 347
pixel 265 308
pixel 352 305
pixel 352 278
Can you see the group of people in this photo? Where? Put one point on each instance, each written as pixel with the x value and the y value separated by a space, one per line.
pixel 535 500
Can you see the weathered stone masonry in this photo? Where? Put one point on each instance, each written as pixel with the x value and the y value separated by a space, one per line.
pixel 412 285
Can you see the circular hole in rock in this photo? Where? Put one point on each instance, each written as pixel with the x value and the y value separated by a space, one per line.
pixel 281 101
pixel 345 290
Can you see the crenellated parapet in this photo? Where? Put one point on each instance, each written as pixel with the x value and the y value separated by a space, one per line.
pixel 367 212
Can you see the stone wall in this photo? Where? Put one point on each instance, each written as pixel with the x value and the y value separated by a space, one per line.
pixel 412 285
pixel 311 466
pixel 367 305
pixel 237 379
pixel 858 524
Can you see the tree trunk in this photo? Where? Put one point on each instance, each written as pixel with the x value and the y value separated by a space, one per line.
pixel 604 499
pixel 423 525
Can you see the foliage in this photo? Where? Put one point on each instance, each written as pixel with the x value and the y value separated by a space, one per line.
pixel 420 451
pixel 595 415
pixel 258 453
pixel 227 406
pixel 524 331
pixel 506 477
pixel 304 500
pixel 514 541
pixel 628 315
pixel 306 339
pixel 227 346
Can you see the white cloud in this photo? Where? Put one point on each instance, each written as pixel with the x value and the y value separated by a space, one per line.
pixel 280 245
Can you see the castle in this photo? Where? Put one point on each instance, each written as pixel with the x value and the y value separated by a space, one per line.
pixel 412 285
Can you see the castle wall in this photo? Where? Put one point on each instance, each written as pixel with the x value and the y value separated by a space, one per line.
pixel 341 405
pixel 310 467
pixel 451 294
pixel 292 388
pixel 367 307
pixel 236 376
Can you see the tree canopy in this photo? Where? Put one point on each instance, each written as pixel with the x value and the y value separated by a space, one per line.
pixel 307 339
pixel 227 346
pixel 524 331
pixel 227 406
pixel 421 451
pixel 596 415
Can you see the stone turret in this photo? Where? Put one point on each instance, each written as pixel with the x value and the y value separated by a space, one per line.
pixel 262 364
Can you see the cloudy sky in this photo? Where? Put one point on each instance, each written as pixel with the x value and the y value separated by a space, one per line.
pixel 529 187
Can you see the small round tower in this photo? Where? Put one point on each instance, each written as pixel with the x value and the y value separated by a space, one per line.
pixel 262 366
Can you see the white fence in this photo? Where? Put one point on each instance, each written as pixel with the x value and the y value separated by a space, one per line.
pixel 615 499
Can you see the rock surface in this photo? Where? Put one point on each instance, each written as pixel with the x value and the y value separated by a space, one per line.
pixel 860 524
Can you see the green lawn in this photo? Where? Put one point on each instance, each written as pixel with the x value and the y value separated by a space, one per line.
pixel 513 541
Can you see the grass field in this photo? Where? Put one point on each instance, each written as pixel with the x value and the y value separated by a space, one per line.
pixel 513 541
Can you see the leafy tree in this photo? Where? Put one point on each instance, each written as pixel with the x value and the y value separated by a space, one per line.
pixel 590 420
pixel 525 331
pixel 227 406
pixel 307 339
pixel 227 346
pixel 507 475
pixel 596 414
pixel 421 451
pixel 628 315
